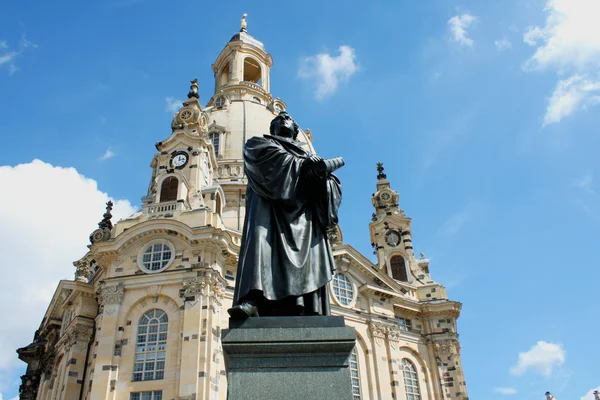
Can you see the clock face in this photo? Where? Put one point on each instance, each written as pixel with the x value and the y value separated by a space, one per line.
pixel 179 160
pixel 186 114
pixel 393 238
pixel 385 196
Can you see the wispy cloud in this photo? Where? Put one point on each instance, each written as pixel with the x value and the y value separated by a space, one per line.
pixel 570 95
pixel 173 105
pixel 328 70
pixel 457 221
pixel 542 358
pixel 569 43
pixel 458 26
pixel 509 391
pixel 8 57
pixel 107 154
pixel 503 44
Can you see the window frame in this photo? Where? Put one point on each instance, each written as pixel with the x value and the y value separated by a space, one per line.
pixel 142 252
pixel 354 359
pixel 147 335
pixel 408 367
pixel 352 301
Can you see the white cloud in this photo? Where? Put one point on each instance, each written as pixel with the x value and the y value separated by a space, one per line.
pixel 329 70
pixel 570 38
pixel 568 43
pixel 45 223
pixel 570 95
pixel 542 358
pixel 107 154
pixel 173 104
pixel 458 26
pixel 506 390
pixel 590 395
pixel 7 58
pixel 503 44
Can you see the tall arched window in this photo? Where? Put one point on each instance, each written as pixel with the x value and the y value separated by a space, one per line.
pixel 214 138
pixel 224 77
pixel 398 268
pixel 355 374
pixel 411 380
pixel 252 71
pixel 168 189
pixel 150 350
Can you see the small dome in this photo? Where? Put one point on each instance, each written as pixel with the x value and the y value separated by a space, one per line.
pixel 244 37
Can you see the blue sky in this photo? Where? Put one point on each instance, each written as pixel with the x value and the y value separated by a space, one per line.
pixel 485 115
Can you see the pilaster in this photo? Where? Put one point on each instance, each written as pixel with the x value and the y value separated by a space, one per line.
pixel 105 369
pixel 201 352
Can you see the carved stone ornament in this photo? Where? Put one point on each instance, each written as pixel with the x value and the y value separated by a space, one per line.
pixel 378 332
pixel 111 294
pixel 206 279
pixel 393 336
pixel 79 336
pixel 446 350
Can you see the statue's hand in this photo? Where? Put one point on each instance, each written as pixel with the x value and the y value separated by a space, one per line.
pixel 314 158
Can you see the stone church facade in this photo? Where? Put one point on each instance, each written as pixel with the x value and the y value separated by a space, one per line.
pixel 143 317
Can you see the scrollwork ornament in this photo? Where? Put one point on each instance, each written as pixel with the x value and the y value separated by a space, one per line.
pixel 393 336
pixel 111 294
pixel 378 332
pixel 446 350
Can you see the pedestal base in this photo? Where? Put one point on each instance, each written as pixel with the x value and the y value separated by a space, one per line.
pixel 290 358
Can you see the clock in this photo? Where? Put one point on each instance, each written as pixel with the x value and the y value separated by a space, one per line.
pixel 186 114
pixel 179 159
pixel 385 196
pixel 393 238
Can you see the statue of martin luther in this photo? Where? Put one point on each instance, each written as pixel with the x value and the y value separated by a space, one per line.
pixel 292 199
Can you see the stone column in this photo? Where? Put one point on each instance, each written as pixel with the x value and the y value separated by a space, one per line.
pixel 201 327
pixel 76 345
pixel 105 367
pixel 378 333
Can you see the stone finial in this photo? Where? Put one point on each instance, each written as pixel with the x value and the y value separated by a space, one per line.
pixel 106 222
pixel 549 396
pixel 243 24
pixel 596 395
pixel 380 174
pixel 194 89
pixel 422 256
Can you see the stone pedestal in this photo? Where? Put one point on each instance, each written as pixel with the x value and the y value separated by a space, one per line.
pixel 291 358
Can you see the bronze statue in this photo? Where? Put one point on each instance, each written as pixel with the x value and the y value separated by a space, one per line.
pixel 292 199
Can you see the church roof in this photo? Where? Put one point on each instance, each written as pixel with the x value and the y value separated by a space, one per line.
pixel 246 38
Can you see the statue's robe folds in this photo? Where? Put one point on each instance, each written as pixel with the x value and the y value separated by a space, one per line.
pixel 285 255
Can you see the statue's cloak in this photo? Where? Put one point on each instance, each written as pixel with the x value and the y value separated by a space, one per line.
pixel 285 250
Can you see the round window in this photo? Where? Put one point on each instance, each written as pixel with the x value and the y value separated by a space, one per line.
pixel 220 102
pixel 342 289
pixel 156 256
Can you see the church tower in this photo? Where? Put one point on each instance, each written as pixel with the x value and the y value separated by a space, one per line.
pixel 142 319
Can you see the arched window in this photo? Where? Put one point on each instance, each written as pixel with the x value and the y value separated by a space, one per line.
pixel 398 268
pixel 168 189
pixel 150 350
pixel 214 139
pixel 411 380
pixel 355 374
pixel 224 77
pixel 342 289
pixel 252 71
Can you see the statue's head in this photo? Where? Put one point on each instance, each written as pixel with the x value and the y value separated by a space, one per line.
pixel 284 126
